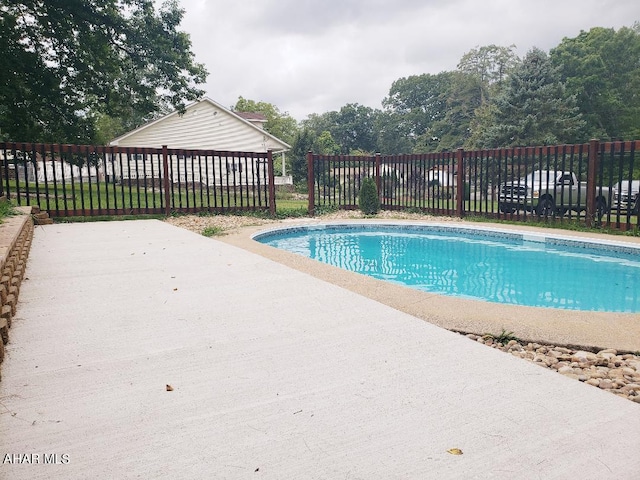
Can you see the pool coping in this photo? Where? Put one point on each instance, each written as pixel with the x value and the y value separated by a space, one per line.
pixel 522 235
pixel 576 329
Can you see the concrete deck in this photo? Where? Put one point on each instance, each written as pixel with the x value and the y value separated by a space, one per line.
pixel 276 374
pixel 575 328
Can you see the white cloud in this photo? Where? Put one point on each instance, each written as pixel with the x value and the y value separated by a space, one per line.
pixel 309 57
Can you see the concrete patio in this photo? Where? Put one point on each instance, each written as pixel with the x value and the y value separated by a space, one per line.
pixel 275 374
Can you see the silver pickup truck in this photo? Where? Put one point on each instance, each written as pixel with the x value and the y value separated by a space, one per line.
pixel 549 192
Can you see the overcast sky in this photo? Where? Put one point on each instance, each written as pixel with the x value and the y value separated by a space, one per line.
pixel 308 56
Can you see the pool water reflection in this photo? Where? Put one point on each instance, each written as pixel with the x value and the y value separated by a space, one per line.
pixel 502 268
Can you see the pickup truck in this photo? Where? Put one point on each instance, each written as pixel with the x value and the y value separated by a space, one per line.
pixel 626 196
pixel 549 192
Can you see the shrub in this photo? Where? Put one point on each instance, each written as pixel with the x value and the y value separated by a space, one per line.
pixel 504 337
pixel 369 201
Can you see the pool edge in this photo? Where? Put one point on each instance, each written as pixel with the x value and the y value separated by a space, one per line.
pixel 571 328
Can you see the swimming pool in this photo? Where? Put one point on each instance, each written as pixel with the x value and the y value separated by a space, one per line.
pixel 497 266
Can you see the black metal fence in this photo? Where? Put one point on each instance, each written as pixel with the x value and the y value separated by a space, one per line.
pixel 596 183
pixel 81 180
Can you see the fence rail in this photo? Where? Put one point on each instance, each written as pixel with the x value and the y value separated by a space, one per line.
pixel 595 183
pixel 83 180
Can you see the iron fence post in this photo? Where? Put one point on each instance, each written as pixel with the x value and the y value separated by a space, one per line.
pixel 272 184
pixel 460 184
pixel 310 185
pixel 592 169
pixel 3 152
pixel 378 179
pixel 165 169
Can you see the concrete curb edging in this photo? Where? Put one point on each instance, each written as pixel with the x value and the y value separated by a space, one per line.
pixel 16 234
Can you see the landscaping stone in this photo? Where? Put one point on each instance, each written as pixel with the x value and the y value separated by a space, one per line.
pixel 610 370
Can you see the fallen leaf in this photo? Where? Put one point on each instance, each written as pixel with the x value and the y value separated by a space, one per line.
pixel 169 388
pixel 455 451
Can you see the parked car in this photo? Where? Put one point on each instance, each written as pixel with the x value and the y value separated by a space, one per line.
pixel 626 196
pixel 549 192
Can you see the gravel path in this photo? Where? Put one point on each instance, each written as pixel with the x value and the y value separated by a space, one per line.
pixel 610 370
pixel 227 224
pixel 224 224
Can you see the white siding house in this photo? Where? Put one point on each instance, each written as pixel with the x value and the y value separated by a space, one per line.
pixel 207 125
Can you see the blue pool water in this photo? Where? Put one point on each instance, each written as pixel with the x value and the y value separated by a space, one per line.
pixel 498 267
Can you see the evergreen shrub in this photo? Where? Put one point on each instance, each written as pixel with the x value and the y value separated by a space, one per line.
pixel 369 201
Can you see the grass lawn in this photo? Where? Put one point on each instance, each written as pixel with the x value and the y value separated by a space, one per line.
pixel 104 196
pixel 78 195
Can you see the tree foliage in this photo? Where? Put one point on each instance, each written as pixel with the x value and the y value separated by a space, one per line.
pixel 326 145
pixel 87 70
pixel 352 128
pixel 302 144
pixel 586 87
pixel 418 101
pixel 533 108
pixel 307 141
pixel 601 68
pixel 392 134
pixel 64 63
pixel 462 97
pixel 280 125
pixel 490 66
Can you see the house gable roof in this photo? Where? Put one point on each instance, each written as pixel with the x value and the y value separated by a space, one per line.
pixel 205 124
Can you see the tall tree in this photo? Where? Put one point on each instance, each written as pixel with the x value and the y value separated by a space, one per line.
pixel 461 98
pixel 302 143
pixel 480 76
pixel 418 101
pixel 392 134
pixel 490 65
pixel 353 128
pixel 533 108
pixel 280 125
pixel 63 63
pixel 325 144
pixel 601 68
pixel 319 122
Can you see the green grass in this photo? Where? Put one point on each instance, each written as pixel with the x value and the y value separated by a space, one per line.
pixel 213 231
pixel 289 204
pixel 105 196
pixel 6 210
pixel 78 196
pixel 573 224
